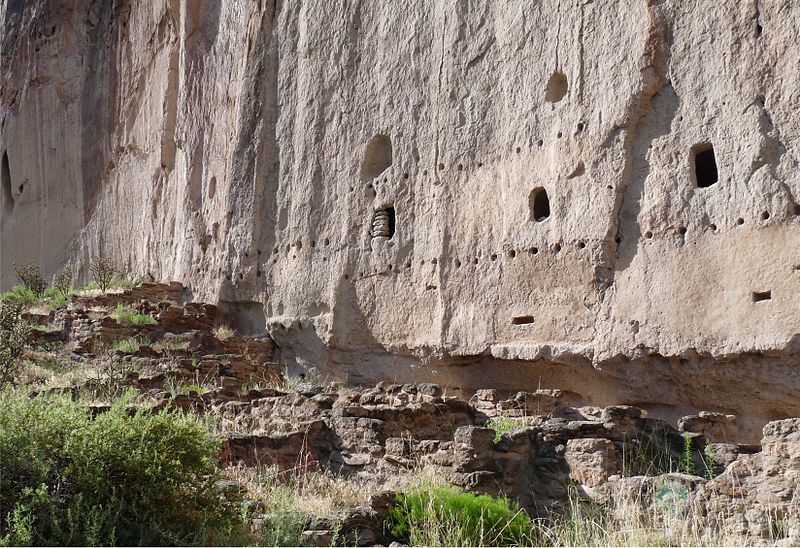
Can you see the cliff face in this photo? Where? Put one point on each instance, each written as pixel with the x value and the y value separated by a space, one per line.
pixel 598 196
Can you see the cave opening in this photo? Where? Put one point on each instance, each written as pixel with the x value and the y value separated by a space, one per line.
pixel 377 157
pixel 705 165
pixel 556 87
pixel 539 204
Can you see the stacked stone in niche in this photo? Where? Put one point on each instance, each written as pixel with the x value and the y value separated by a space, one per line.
pixel 380 224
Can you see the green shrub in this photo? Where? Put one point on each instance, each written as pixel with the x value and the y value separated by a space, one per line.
pixel 30 276
pixel 446 516
pixel 62 280
pixel 21 295
pixel 103 271
pixel 121 479
pixel 13 338
pixel 55 298
pixel 501 425
pixel 127 316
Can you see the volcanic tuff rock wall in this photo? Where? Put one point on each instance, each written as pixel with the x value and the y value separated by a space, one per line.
pixel 496 193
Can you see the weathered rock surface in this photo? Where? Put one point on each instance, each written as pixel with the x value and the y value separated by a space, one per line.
pixel 600 197
pixel 530 446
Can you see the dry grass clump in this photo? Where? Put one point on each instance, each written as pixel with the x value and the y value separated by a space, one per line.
pixel 315 493
pixel 223 332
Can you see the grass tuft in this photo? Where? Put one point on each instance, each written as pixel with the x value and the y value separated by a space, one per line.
pixel 128 316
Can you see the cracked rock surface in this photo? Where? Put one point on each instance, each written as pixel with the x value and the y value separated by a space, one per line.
pixel 599 197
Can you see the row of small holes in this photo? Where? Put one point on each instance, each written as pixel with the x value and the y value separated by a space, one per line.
pixel 765 215
pixel 460 167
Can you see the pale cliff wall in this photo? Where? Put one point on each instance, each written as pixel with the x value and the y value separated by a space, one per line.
pixel 240 146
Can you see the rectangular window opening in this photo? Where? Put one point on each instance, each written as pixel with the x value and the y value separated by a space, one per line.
pixel 760 296
pixel 521 320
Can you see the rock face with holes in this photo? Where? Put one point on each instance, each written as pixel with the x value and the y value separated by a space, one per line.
pixel 596 196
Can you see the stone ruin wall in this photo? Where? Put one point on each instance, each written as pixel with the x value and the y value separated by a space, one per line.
pixel 535 165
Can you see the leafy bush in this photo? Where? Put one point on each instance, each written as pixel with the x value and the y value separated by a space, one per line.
pixel 103 272
pixel 21 295
pixel 501 425
pixel 30 276
pixel 13 337
pixel 446 516
pixel 128 316
pixel 62 280
pixel 121 479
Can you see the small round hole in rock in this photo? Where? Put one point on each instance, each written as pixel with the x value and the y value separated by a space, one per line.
pixel 534 250
pixel 557 248
pixel 681 230
pixel 739 221
pixel 581 245
pixel 648 234
pixel 765 215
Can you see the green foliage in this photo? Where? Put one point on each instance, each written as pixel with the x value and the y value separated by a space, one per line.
pixel 503 424
pixel 123 282
pixel 128 316
pixel 686 462
pixel 446 516
pixel 647 456
pixel 128 345
pixel 13 338
pixel 103 271
pixel 176 388
pixel 21 295
pixel 55 298
pixel 709 459
pixel 120 479
pixel 671 497
pixel 283 529
pixel 62 280
pixel 30 276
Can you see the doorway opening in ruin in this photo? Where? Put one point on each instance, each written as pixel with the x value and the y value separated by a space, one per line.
pixel 5 182
pixel 539 204
pixel 705 165
pixel 383 223
pixel 377 157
